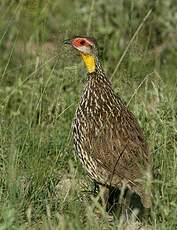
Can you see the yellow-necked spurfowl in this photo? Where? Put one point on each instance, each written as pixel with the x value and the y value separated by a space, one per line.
pixel 107 137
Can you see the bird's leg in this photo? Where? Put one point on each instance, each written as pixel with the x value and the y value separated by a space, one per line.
pixel 96 188
pixel 126 211
pixel 104 201
pixel 104 196
pixel 113 201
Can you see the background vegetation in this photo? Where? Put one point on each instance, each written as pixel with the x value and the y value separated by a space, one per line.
pixel 42 185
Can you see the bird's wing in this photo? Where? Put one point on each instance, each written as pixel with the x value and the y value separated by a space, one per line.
pixel 118 143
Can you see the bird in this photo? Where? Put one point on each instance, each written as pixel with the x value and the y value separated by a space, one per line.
pixel 107 137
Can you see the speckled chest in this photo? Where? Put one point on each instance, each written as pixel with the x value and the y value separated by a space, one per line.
pixel 83 117
pixel 89 120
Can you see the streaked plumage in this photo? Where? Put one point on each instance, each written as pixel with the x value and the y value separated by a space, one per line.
pixel 108 138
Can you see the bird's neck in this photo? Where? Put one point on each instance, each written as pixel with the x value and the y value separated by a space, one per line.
pixel 98 77
pixel 98 71
pixel 99 68
pixel 94 68
pixel 92 63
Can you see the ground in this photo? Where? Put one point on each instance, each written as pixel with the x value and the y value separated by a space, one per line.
pixel 42 184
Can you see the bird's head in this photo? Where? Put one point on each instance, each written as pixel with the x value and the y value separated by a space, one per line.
pixel 87 49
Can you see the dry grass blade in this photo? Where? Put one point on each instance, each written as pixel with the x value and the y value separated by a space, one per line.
pixel 130 42
pixel 90 17
pixel 136 90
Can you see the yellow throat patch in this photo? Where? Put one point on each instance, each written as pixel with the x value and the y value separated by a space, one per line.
pixel 89 61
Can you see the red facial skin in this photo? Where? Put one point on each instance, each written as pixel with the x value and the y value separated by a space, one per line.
pixel 81 42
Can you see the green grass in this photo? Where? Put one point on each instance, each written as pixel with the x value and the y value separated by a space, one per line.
pixel 42 185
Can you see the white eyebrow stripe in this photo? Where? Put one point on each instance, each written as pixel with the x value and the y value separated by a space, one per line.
pixel 88 41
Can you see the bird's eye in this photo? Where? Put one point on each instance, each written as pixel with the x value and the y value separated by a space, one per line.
pixel 82 42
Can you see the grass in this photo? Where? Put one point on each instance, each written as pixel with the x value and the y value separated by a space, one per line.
pixel 42 185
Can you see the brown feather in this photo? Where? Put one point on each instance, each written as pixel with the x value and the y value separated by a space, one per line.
pixel 108 138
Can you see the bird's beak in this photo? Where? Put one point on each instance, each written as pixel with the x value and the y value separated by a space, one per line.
pixel 67 42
